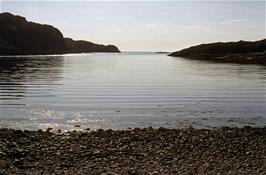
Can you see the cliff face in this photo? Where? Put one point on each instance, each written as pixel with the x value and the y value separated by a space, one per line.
pixel 18 36
pixel 86 46
pixel 237 52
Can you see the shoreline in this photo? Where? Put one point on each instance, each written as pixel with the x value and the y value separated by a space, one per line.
pixel 222 150
pixel 249 59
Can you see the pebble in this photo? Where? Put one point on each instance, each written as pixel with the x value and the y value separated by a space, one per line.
pixel 134 151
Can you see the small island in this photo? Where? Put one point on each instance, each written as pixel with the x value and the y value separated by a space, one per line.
pixel 21 37
pixel 245 52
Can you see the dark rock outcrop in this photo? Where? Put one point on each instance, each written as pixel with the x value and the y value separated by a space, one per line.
pixel 19 36
pixel 236 52
pixel 86 46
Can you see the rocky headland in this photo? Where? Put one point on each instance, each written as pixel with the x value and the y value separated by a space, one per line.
pixel 19 37
pixel 245 52
pixel 81 46
pixel 134 151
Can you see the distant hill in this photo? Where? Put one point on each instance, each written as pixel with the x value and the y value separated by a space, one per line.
pixel 86 46
pixel 237 52
pixel 18 36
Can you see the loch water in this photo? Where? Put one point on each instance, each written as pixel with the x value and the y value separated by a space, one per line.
pixel 121 90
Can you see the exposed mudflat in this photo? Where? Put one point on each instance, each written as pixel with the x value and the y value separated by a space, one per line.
pixel 134 151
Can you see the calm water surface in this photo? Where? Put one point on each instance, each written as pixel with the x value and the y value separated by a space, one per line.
pixel 128 90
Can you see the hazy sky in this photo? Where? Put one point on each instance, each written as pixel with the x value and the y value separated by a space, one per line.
pixel 148 25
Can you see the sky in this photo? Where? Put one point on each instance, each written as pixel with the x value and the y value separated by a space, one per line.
pixel 148 25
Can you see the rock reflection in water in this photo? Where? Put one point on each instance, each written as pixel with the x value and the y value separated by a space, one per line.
pixel 128 90
pixel 18 73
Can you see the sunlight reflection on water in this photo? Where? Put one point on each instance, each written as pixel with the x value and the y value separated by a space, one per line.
pixel 128 90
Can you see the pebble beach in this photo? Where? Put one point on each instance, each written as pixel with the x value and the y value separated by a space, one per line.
pixel 134 151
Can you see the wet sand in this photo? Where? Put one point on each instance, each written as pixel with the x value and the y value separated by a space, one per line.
pixel 134 151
